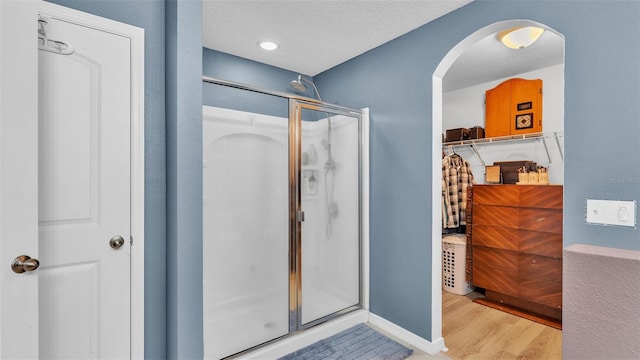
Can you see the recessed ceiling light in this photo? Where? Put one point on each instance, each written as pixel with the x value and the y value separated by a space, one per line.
pixel 268 45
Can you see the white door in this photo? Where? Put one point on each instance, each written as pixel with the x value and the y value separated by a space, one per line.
pixel 84 195
pixel 81 186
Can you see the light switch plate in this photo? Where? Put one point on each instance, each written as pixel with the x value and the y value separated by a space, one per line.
pixel 611 212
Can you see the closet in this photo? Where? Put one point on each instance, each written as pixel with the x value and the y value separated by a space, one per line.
pixel 512 227
pixel 517 262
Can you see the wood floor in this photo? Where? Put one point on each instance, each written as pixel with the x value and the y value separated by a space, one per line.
pixel 474 331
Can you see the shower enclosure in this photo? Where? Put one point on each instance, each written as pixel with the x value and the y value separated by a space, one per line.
pixel 282 215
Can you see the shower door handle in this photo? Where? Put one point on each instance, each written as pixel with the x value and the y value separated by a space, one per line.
pixel 300 216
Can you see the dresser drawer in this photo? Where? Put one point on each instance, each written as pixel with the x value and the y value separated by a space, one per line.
pixel 544 220
pixel 498 280
pixel 541 196
pixel 540 243
pixel 540 291
pixel 495 215
pixel 495 237
pixel 540 267
pixel 495 258
pixel 496 195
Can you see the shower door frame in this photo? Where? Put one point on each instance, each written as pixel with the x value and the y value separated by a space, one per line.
pixel 296 105
pixel 296 215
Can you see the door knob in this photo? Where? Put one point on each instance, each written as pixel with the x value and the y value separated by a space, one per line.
pixel 24 263
pixel 116 242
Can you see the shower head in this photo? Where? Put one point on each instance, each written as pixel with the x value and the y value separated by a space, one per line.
pixel 297 84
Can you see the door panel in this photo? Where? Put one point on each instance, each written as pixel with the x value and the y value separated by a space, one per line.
pixel 68 106
pixel 58 308
pixel 330 198
pixel 84 194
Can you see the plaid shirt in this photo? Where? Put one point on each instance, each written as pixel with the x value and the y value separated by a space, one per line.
pixel 456 177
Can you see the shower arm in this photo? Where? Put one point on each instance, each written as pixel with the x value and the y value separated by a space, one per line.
pixel 301 79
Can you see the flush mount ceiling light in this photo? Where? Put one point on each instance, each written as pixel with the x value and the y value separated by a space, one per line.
pixel 520 37
pixel 268 45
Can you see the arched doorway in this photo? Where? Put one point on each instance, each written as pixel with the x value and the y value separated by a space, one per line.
pixel 437 126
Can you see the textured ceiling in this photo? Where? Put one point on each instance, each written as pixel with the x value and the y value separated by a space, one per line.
pixel 316 35
pixel 489 60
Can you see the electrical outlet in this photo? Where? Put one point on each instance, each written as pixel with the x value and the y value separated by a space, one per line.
pixel 611 212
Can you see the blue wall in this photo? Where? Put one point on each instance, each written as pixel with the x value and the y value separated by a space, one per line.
pixel 232 68
pixel 184 179
pixel 602 134
pixel 149 15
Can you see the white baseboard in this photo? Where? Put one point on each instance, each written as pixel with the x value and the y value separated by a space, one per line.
pixel 307 337
pixel 407 336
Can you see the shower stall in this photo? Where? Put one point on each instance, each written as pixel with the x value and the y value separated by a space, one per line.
pixel 282 214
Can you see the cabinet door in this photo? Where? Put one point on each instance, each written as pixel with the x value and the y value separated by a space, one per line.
pixel 498 110
pixel 526 106
pixel 514 107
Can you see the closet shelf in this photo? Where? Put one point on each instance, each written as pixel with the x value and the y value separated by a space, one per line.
pixel 473 143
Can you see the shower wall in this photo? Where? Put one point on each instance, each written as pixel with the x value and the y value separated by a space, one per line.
pixel 245 231
pixel 246 243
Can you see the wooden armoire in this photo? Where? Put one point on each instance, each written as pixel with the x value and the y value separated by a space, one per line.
pixel 514 107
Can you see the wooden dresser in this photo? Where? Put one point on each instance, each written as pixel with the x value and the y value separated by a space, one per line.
pixel 517 249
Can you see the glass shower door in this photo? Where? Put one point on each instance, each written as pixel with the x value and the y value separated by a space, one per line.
pixel 329 280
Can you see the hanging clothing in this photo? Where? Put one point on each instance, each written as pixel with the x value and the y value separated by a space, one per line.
pixel 456 178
